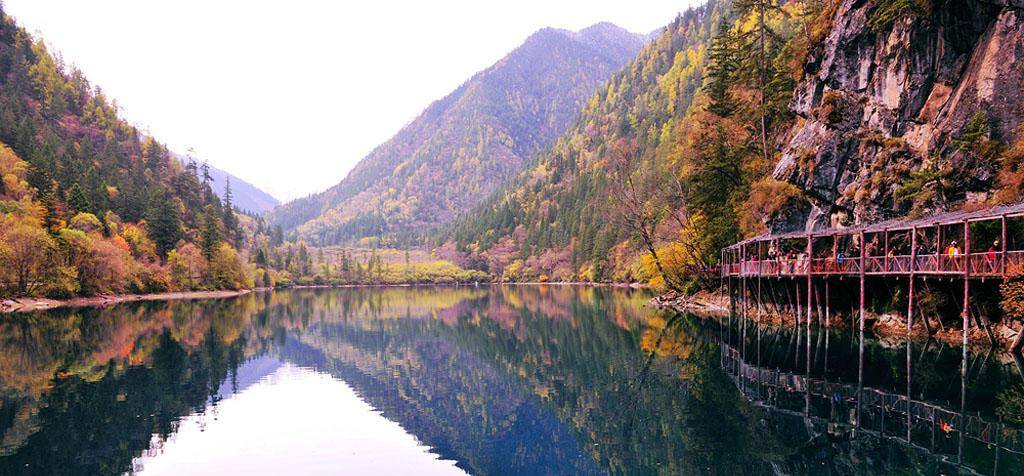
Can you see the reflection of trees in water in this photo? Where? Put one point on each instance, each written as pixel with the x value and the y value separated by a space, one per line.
pixel 102 382
pixel 98 426
pixel 555 379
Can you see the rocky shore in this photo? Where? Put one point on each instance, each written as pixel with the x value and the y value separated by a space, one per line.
pixel 29 304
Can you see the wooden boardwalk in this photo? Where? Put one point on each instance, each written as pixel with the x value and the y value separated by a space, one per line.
pixel 897 247
pixel 967 245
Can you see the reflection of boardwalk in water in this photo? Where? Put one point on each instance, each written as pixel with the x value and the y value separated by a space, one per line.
pixel 845 409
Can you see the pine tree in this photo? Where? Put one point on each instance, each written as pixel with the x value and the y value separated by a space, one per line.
pixel 230 220
pixel 163 222
pixel 277 237
pixel 77 199
pixel 210 234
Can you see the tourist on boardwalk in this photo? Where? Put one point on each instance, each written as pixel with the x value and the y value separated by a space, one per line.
pixel 990 257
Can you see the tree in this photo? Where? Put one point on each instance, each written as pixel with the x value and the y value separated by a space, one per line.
pixel 210 234
pixel 187 266
pixel 77 200
pixel 277 236
pixel 163 222
pixel 640 196
pixel 762 32
pixel 230 220
pixel 227 271
pixel 26 254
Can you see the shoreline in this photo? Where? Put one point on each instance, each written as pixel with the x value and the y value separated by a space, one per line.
pixel 30 304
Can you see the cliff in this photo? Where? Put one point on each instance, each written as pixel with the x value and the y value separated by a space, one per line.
pixel 893 93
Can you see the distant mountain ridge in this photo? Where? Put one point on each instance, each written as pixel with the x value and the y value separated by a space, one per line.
pixel 465 145
pixel 244 195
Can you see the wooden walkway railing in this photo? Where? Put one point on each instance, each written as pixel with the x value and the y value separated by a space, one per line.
pixel 982 265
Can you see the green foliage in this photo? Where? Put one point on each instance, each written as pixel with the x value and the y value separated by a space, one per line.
pixel 66 158
pixel 164 222
pixel 889 11
pixel 558 218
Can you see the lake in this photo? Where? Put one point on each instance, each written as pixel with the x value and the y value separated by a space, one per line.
pixel 486 380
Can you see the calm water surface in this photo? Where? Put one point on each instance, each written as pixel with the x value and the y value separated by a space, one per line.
pixel 488 380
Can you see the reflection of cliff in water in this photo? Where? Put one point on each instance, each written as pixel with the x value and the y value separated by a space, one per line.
pixel 925 406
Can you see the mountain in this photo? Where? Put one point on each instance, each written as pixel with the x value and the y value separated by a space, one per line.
pixel 846 112
pixel 555 219
pixel 244 195
pixel 465 145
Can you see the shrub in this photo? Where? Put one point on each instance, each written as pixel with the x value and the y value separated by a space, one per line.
pixel 227 271
pixel 186 267
pixel 86 222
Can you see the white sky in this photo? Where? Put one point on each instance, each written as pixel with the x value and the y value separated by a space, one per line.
pixel 290 95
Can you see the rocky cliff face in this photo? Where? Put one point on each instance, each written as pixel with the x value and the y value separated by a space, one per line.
pixel 880 100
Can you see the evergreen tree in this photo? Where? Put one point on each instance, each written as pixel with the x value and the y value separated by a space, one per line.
pixel 210 233
pixel 277 237
pixel 77 199
pixel 163 222
pixel 230 220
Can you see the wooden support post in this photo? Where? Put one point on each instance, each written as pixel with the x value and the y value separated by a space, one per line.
pixel 778 258
pixel 1018 343
pixel 1002 251
pixel 967 276
pixel 828 309
pixel 862 254
pixel 799 311
pixel 885 259
pixel 913 266
pixel 760 270
pixel 732 301
pixel 743 281
pixel 910 413
pixel 808 262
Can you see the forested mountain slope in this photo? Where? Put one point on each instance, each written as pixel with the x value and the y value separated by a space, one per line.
pixel 90 205
pixel 764 115
pixel 556 220
pixel 462 147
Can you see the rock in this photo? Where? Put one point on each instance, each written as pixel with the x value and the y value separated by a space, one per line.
pixel 876 105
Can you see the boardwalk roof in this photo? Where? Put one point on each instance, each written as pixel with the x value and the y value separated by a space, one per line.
pixel 897 224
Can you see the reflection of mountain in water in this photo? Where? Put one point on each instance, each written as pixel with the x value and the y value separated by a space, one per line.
pixel 246 375
pixel 501 379
pixel 454 403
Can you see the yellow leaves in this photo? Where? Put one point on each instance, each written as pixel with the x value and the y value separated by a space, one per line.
pixel 768 197
pixel 86 222
pixel 138 239
pixel 13 172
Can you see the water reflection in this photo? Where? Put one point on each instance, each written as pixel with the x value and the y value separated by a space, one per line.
pixel 527 379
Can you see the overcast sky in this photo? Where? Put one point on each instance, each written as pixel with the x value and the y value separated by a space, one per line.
pixel 290 95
